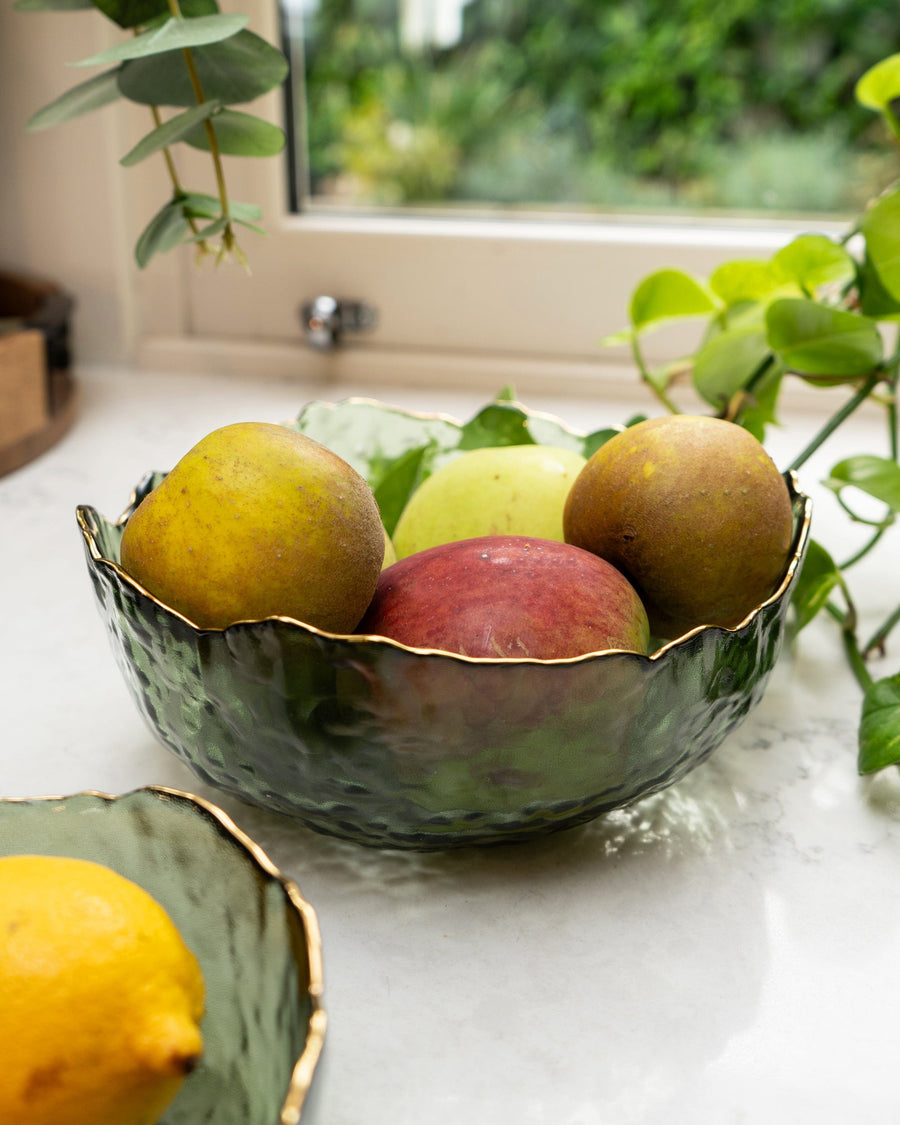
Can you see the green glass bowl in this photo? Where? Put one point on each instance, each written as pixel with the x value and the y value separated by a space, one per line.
pixel 368 740
pixel 257 940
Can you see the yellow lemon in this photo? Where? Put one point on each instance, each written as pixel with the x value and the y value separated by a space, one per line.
pixel 102 999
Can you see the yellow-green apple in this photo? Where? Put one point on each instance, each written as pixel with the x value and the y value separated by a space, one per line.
pixel 258 520
pixel 507 490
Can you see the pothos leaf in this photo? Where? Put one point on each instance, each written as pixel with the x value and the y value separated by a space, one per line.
pixel 760 409
pixel 880 85
pixel 668 294
pixel 727 362
pixel 816 339
pixel 874 299
pixel 881 227
pixel 750 279
pixel 399 482
pixel 877 476
pixel 879 728
pixel 813 260
pixel 499 423
pixel 815 582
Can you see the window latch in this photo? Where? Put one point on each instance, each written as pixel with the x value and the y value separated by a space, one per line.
pixel 326 319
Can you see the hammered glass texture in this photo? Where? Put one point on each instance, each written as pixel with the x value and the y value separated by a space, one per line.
pixel 233 915
pixel 371 742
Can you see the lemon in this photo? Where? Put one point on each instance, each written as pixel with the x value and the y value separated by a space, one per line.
pixel 102 999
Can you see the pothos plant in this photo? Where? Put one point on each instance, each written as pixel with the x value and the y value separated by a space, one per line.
pixel 821 310
pixel 188 64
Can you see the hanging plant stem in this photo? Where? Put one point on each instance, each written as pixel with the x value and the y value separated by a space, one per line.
pixel 837 419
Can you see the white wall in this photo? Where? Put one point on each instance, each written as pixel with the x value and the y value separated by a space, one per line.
pixel 60 215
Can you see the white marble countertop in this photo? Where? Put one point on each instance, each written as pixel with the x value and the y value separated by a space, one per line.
pixel 723 952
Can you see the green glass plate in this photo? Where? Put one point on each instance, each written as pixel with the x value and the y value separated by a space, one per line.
pixel 256 939
pixel 365 739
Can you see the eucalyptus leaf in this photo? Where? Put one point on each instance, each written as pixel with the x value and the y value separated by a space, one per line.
pixel 816 339
pixel 878 477
pixel 668 294
pixel 52 5
pixel 249 226
pixel 239 134
pixel 93 94
pixel 132 13
pixel 210 231
pixel 813 260
pixel 173 35
pixel 233 71
pixel 880 85
pixel 169 133
pixel 137 13
pixel 881 227
pixel 726 363
pixel 814 584
pixel 198 205
pixel 166 230
pixel 879 728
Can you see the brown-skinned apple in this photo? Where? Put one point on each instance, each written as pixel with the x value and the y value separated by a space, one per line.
pixel 693 511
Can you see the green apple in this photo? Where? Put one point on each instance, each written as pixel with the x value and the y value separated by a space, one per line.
pixel 507 490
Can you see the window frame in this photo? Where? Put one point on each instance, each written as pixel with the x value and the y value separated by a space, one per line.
pixel 472 294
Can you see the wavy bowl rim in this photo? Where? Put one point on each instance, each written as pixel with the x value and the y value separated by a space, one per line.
pixel 85 512
pixel 304 1067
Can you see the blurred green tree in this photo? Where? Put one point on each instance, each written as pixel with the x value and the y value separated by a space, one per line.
pixel 580 101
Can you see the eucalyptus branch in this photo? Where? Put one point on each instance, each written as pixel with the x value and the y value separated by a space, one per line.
pixel 177 188
pixel 228 241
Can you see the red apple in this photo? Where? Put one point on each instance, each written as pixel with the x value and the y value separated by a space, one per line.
pixel 507 596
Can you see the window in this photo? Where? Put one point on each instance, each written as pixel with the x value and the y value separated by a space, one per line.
pixel 471 283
